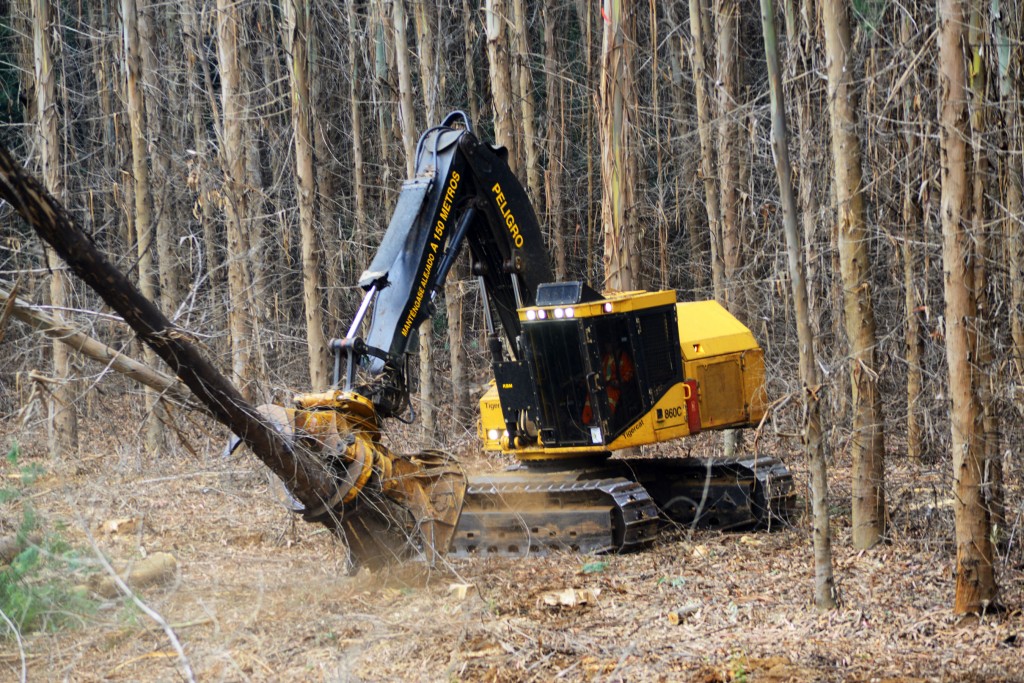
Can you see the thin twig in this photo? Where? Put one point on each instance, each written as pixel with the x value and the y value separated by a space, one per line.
pixel 192 475
pixel 21 648
pixel 150 612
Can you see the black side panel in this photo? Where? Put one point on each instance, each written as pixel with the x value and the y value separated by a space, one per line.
pixel 657 344
pixel 515 390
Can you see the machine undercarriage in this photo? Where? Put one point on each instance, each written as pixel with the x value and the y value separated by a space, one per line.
pixel 618 505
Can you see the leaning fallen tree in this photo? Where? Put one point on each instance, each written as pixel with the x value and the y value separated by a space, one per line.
pixel 306 478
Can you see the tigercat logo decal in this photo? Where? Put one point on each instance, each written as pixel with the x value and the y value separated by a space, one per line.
pixel 634 429
pixel 506 213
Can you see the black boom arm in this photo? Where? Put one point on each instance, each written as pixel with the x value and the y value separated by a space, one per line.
pixel 463 191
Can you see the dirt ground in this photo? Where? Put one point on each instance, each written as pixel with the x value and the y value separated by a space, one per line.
pixel 260 596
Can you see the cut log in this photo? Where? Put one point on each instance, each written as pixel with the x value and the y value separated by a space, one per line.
pixel 154 570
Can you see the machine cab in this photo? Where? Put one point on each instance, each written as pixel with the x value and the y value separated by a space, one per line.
pixel 591 367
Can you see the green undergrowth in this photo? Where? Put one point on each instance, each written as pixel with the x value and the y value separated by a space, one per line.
pixel 38 589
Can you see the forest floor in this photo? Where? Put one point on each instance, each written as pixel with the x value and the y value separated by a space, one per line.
pixel 260 596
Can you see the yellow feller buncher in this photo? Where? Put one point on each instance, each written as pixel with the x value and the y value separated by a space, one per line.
pixel 578 375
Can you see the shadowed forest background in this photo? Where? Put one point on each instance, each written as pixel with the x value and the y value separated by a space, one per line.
pixel 240 160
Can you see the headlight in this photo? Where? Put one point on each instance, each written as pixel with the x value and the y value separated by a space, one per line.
pixel 559 312
pixel 608 307
pixel 493 434
pixel 531 315
pixel 570 312
pixel 542 314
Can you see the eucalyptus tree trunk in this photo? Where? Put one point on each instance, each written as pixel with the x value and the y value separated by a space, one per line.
pixel 826 594
pixel 688 205
pixel 526 100
pixel 252 80
pixel 555 87
pixel 585 22
pixel 240 313
pixel 1007 18
pixel 199 183
pixel 135 106
pixel 702 80
pixel 975 570
pixel 1006 24
pixel 355 114
pixel 428 415
pixel 407 113
pixel 502 98
pixel 469 34
pixel 978 39
pixel 102 69
pixel 912 236
pixel 868 446
pixel 729 112
pixel 803 64
pixel 430 58
pixel 296 34
pixel 618 111
pixel 62 422
pixel 154 44
pixel 661 220
pixel 727 14
pixel 382 95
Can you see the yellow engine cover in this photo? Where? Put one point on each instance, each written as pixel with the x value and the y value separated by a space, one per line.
pixel 725 359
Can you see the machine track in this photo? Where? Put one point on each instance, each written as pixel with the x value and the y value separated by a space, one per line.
pixel 726 494
pixel 617 506
pixel 527 511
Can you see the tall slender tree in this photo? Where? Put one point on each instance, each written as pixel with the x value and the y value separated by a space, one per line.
pixel 296 33
pixel 703 77
pixel 502 98
pixel 975 568
pixel 984 242
pixel 1007 18
pixel 868 445
pixel 618 113
pixel 469 36
pixel 154 43
pixel 202 101
pixel 555 87
pixel 232 106
pixel 912 230
pixel 825 591
pixel 135 105
pixel 356 118
pixel 531 144
pixel 730 113
pixel 63 415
